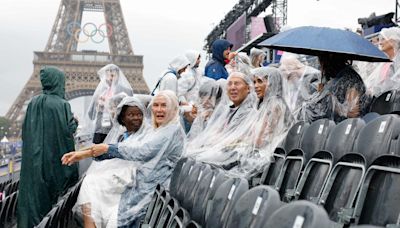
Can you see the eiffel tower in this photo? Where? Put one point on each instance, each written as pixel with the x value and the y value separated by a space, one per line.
pixel 81 67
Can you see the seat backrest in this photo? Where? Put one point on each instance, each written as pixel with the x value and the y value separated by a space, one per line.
pixel 387 103
pixel 294 136
pixel 375 138
pixel 176 173
pixel 273 169
pixel 315 137
pixel 181 173
pixel 181 219
pixel 168 213
pixel 225 197
pixel 299 214
pixel 152 204
pixel 254 207
pixel 198 172
pixel 378 201
pixel 340 192
pixel 342 138
pixel 314 177
pixel 290 174
pixel 161 204
pixel 370 117
pixel 205 192
pixel 193 224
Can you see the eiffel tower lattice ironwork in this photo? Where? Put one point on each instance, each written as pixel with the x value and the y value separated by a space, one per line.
pixel 81 67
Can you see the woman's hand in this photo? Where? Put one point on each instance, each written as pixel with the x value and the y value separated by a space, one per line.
pixel 99 149
pixel 73 157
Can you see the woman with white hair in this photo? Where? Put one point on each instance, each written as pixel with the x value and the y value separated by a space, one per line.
pixel 257 57
pixel 387 75
pixel 156 156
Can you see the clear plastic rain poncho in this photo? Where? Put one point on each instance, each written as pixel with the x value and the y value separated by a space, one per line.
pixel 169 79
pixel 386 76
pixel 190 80
pixel 240 63
pixel 257 57
pixel 106 180
pixel 342 96
pixel 210 94
pixel 274 117
pixel 99 116
pixel 228 143
pixel 156 154
pixel 117 130
pixel 301 80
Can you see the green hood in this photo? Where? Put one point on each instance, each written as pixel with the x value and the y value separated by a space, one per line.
pixel 53 81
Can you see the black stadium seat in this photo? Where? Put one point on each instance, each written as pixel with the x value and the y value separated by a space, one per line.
pixel 180 220
pixel 180 174
pixel 340 191
pixel 254 207
pixel 168 213
pixel 273 169
pixel 294 136
pixel 192 183
pixel 299 214
pixel 314 177
pixel 225 197
pixel 343 137
pixel 315 137
pixel 375 138
pixel 387 103
pixel 205 192
pixel 173 185
pixel 290 173
pixel 378 202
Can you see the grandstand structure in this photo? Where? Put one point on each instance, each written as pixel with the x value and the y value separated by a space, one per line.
pixel 249 9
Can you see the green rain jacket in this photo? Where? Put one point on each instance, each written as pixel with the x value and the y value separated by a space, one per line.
pixel 47 134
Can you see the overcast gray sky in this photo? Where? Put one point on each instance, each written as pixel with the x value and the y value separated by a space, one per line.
pixel 159 30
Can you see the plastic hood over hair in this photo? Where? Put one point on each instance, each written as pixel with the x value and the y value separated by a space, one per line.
pixel 172 107
pixel 118 129
pixel 209 95
pixel 99 117
pixel 386 76
pixel 246 78
pixel 192 56
pixel 190 80
pixel 300 81
pixel 393 36
pixel 255 54
pixel 240 63
pixel 274 78
pixel 178 63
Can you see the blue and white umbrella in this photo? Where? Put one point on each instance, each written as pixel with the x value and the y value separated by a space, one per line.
pixel 319 41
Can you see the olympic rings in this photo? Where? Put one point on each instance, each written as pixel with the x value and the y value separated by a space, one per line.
pixel 76 36
pixel 89 30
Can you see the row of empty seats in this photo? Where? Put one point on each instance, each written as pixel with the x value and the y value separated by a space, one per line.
pixel 349 170
pixel 61 215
